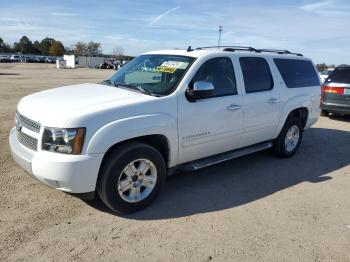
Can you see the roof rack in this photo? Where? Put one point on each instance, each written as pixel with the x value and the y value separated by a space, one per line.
pixel 280 52
pixel 228 48
pixel 245 48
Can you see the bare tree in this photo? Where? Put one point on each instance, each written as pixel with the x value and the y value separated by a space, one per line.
pixel 80 48
pixel 118 52
pixel 88 50
pixel 93 49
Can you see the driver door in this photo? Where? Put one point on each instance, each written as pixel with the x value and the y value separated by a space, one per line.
pixel 213 124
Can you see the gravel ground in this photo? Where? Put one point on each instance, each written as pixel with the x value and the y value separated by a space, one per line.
pixel 255 208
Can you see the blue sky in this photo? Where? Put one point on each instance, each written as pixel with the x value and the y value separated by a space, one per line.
pixel 319 29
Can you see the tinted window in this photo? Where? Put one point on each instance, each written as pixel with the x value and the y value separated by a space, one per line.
pixel 326 72
pixel 218 71
pixel 256 74
pixel 297 73
pixel 340 75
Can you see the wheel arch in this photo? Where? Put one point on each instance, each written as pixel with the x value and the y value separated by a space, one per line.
pixel 157 130
pixel 298 107
pixel 158 141
pixel 302 113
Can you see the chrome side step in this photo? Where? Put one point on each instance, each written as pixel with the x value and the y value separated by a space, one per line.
pixel 213 160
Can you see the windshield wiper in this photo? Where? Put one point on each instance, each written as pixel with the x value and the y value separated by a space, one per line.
pixel 108 82
pixel 140 88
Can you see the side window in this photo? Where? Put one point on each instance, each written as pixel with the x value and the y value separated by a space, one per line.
pixel 218 71
pixel 256 74
pixel 297 73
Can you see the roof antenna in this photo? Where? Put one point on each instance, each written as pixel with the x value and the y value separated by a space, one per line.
pixel 189 49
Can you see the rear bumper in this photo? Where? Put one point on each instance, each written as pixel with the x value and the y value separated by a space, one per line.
pixel 336 108
pixel 69 173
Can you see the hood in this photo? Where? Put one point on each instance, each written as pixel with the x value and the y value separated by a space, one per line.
pixel 55 106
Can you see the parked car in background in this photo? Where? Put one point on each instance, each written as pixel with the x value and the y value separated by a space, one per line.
pixel 5 59
pixel 165 110
pixel 325 73
pixel 15 58
pixel 50 60
pixel 108 64
pixel 335 97
pixel 39 59
pixel 111 64
pixel 27 59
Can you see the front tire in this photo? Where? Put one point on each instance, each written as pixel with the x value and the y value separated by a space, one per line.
pixel 131 177
pixel 289 139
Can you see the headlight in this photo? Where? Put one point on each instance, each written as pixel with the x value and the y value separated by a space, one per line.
pixel 63 140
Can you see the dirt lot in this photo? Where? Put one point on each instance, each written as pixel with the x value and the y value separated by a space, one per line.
pixel 256 208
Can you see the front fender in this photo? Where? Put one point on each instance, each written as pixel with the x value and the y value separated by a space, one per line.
pixel 289 106
pixel 132 127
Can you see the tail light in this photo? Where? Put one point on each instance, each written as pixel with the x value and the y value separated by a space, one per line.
pixel 332 90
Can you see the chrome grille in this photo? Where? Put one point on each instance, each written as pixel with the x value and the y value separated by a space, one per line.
pixel 26 122
pixel 27 141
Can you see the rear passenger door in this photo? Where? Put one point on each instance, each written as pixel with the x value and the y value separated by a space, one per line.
pixel 262 100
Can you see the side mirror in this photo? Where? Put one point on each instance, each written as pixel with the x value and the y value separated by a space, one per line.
pixel 201 89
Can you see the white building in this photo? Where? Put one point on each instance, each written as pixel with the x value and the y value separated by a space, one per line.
pixel 70 61
pixel 90 61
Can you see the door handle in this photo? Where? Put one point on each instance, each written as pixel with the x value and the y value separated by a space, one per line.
pixel 233 107
pixel 273 100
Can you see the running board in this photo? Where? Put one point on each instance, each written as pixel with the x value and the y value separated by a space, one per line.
pixel 213 160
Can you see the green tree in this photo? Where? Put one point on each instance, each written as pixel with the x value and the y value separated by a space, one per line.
pixel 56 49
pixel 24 45
pixel 36 47
pixel 45 45
pixel 4 48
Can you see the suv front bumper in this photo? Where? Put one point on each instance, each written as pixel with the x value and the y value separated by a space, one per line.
pixel 69 173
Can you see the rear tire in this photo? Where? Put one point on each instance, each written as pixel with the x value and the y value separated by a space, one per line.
pixel 131 177
pixel 289 139
pixel 324 113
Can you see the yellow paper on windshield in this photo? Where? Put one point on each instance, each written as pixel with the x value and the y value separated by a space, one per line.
pixel 164 69
pixel 169 67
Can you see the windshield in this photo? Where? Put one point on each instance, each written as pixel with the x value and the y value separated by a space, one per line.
pixel 155 74
pixel 326 72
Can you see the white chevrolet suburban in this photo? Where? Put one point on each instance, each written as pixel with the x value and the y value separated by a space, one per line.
pixel 164 111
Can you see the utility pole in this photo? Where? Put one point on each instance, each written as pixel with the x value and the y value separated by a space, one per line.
pixel 220 31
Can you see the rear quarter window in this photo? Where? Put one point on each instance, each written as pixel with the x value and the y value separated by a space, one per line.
pixel 297 73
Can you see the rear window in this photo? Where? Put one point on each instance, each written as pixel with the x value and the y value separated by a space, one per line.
pixel 297 73
pixel 340 75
